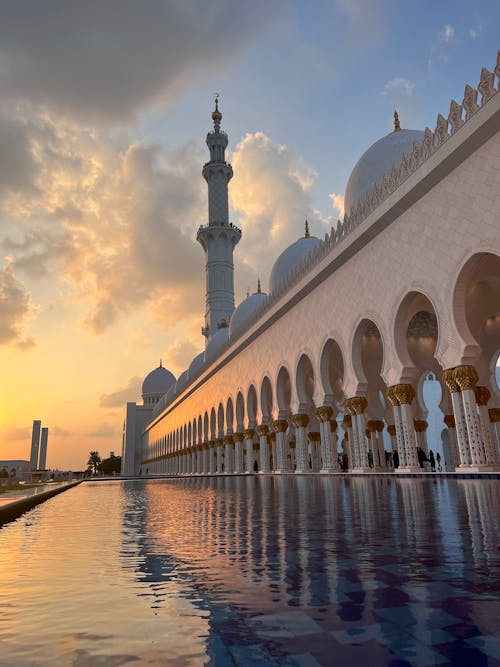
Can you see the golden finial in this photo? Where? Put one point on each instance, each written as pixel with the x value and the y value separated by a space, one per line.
pixel 307 230
pixel 258 286
pixel 397 126
pixel 216 114
pixel 160 364
pixel 248 292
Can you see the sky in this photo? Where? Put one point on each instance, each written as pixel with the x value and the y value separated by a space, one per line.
pixel 104 111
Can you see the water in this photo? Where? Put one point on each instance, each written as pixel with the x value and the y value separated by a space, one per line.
pixel 288 571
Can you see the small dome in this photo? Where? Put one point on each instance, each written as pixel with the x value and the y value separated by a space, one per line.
pixel 157 383
pixel 290 259
pixel 376 162
pixel 181 382
pixel 216 342
pixel 196 364
pixel 244 312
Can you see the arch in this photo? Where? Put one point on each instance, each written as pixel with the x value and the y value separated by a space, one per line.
pixel 252 406
pixel 189 435
pixel 266 400
pixel 220 421
pixel 200 430
pixel 283 392
pixel 332 372
pixel 229 416
pixel 304 383
pixel 206 431
pixel 367 352
pixel 213 424
pixel 240 412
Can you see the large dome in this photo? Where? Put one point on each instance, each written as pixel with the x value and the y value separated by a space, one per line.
pixel 376 162
pixel 196 365
pixel 244 312
pixel 157 383
pixel 290 259
pixel 216 342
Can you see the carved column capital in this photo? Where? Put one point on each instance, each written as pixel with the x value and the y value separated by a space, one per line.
pixel 465 376
pixel 262 429
pixel 420 425
pixel 347 422
pixel 272 436
pixel 356 405
pixel 280 425
pixel 300 420
pixel 391 397
pixel 228 440
pixel 449 420
pixel 218 442
pixel 370 426
pixel 379 425
pixel 324 413
pixel 494 414
pixel 391 430
pixel 404 393
pixel 483 395
pixel 239 436
pixel 449 380
pixel 314 436
pixel 211 444
pixel 249 433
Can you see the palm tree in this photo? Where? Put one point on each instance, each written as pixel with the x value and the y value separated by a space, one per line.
pixel 94 461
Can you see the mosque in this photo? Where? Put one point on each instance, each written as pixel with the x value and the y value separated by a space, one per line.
pixel 327 369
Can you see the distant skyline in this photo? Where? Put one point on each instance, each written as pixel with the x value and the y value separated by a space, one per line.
pixel 103 117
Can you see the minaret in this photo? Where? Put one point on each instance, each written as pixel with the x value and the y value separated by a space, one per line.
pixel 219 237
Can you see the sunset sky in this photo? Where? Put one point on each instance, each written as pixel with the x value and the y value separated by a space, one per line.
pixel 104 109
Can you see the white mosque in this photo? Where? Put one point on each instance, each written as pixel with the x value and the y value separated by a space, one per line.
pixel 330 369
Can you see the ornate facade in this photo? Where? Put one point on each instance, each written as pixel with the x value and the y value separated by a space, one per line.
pixel 332 362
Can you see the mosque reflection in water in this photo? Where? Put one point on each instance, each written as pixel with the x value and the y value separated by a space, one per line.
pixel 291 570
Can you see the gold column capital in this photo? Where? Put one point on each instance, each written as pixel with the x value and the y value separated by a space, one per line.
pixel 449 380
pixel 420 425
pixel 218 442
pixel 272 436
pixel 404 393
pixel 449 420
pixel 391 430
pixel 494 414
pixel 262 429
pixel 280 425
pixel 249 433
pixel 466 377
pixel 324 413
pixel 228 440
pixel 347 422
pixel 314 436
pixel 300 420
pixel 370 426
pixel 483 395
pixel 379 425
pixel 239 436
pixel 356 405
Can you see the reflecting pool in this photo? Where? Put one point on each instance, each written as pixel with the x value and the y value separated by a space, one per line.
pixel 253 571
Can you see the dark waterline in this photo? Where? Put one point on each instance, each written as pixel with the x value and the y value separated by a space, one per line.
pixel 255 571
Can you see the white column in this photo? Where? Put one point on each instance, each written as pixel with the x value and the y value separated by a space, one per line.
pixel 249 433
pixel 483 395
pixel 280 427
pixel 314 438
pixel 263 430
pixel 494 415
pixel 228 458
pixel 324 414
pixel 218 450
pixel 238 453
pixel 300 421
pixel 458 413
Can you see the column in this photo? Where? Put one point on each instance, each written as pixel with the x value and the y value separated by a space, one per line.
pixel 229 455
pixel 271 439
pixel 379 430
pixel 405 395
pixel 212 457
pixel 249 433
pixel 349 447
pixel 329 461
pixel 218 452
pixel 371 434
pixel 314 438
pixel 449 420
pixel 263 430
pixel 483 395
pixel 494 415
pixel 399 445
pixel 466 378
pixel 300 421
pixel 458 412
pixel 280 427
pixel 238 453
pixel 356 407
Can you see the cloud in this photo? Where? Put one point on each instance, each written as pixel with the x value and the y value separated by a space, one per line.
pixel 118 398
pixel 105 61
pixel 16 433
pixel 365 17
pixel 272 194
pixel 398 85
pixel 59 432
pixel 447 33
pixel 475 32
pixel 104 430
pixel 16 309
pixel 181 353
pixel 338 204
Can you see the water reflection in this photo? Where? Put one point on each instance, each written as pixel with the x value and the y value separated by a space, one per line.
pixel 246 569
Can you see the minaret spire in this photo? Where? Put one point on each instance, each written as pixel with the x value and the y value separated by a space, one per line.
pixel 397 126
pixel 219 237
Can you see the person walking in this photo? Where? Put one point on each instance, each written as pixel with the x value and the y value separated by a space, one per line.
pixel 432 460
